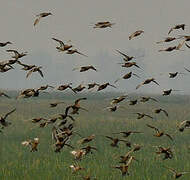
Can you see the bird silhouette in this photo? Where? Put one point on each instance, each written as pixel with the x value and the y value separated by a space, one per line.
pixel 72 51
pixel 75 168
pixel 127 76
pixel 130 64
pixel 147 81
pixel 103 86
pixel 115 141
pixel 135 34
pixel 4 94
pixel 118 99
pixel 86 139
pixel 168 154
pixel 157 111
pixel 77 106
pixel 79 88
pixel 128 133
pixel 32 143
pixel 56 103
pixel 64 87
pixel 2 44
pixel 85 68
pixel 142 115
pixel 17 54
pixel 159 133
pixel 124 168
pixel 168 39
pixel 147 98
pixel 179 26
pixel 3 121
pixel 176 174
pixel 126 58
pixel 35 69
pixel 63 46
pixel 92 85
pixel 40 16
pixel 103 24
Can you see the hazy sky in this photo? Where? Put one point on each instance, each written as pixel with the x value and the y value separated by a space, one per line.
pixel 73 20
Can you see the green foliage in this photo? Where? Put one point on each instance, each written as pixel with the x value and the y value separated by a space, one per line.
pixel 17 162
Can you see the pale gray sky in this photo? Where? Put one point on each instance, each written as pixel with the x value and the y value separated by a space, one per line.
pixel 73 20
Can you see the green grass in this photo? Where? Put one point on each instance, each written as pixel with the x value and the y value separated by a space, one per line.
pixel 17 162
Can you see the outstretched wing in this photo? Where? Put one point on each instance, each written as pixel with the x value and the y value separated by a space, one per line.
pixel 67 110
pixel 170 30
pixel 40 72
pixel 136 75
pixel 74 69
pixel 136 132
pixel 131 36
pixel 153 99
pixel 139 85
pixel 29 73
pixel 12 50
pixel 165 112
pixel 125 55
pixel 77 101
pixel 59 41
pixel 6 115
pixel 83 109
pixel 37 21
pixel 171 169
pixel 109 137
pixel 117 80
pixel 156 83
pixel 3 94
pixel 182 123
pixel 25 65
pixel 149 116
pixel 121 132
pixel 187 45
pixel 54 133
pixel 137 66
pixel 112 85
pixel 81 54
pixel 156 129
pixel 169 136
pixel 187 69
pixel 180 45
pixel 123 140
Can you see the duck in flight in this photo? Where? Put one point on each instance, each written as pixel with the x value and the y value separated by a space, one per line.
pixel 40 16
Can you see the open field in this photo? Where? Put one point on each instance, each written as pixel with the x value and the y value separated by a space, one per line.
pixel 17 162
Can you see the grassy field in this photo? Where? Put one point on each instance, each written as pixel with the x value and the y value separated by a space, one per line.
pixel 18 163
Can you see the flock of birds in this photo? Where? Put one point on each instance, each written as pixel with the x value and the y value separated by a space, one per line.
pixel 63 124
